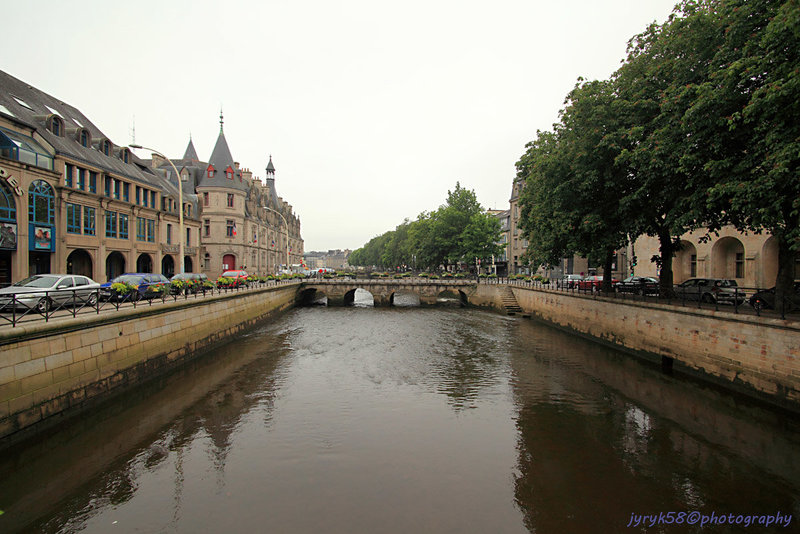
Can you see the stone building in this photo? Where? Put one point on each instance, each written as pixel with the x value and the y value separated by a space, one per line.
pixel 237 230
pixel 517 243
pixel 750 259
pixel 73 201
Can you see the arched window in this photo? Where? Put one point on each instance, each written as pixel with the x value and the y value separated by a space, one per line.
pixel 41 203
pixel 106 148
pixel 8 208
pixel 84 138
pixel 56 126
pixel 210 171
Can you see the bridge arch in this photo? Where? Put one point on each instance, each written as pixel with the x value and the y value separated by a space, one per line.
pixel 311 297
pixel 404 298
pixel 359 297
pixel 452 297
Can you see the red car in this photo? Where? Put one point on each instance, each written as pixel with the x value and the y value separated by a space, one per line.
pixel 239 277
pixel 592 283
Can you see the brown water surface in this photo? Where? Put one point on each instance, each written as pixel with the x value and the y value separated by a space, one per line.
pixel 405 420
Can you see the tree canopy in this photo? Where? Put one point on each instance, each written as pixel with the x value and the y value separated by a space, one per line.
pixel 699 128
pixel 458 231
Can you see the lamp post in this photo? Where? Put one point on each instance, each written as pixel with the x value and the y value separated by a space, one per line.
pixel 180 202
pixel 287 232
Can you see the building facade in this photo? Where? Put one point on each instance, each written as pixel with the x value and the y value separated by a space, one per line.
pixel 72 201
pixel 244 224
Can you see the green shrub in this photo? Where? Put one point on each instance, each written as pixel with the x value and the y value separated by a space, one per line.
pixel 123 288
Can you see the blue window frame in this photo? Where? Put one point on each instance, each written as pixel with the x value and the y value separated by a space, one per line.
pixel 74 218
pixel 41 203
pixel 151 230
pixel 88 220
pixel 123 226
pixel 152 199
pixel 80 183
pixel 107 188
pixel 92 182
pixel 69 171
pixel 14 145
pixel 141 229
pixel 111 224
pixel 126 189
pixel 8 208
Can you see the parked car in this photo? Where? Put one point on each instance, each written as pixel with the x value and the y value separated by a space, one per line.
pixel 640 285
pixel 143 282
pixel 46 291
pixel 711 290
pixel 593 283
pixel 194 281
pixel 765 299
pixel 571 280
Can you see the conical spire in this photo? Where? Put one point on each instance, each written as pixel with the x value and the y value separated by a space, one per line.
pixel 270 167
pixel 191 153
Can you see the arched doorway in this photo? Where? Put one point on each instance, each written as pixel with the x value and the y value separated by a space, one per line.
pixel 144 264
pixel 168 266
pixel 684 265
pixel 115 265
pixel 727 259
pixel 79 262
pixel 769 263
pixel 41 225
pixel 8 232
pixel 228 262
pixel 188 265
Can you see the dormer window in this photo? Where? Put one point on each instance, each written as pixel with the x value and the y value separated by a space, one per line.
pixel 229 173
pixel 106 148
pixel 123 155
pixel 210 171
pixel 85 138
pixel 56 126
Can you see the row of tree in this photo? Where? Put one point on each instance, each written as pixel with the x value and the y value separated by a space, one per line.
pixel 698 128
pixel 458 232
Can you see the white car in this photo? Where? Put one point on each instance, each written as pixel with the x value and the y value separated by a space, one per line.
pixel 46 291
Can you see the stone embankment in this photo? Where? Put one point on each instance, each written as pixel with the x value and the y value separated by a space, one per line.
pixel 49 369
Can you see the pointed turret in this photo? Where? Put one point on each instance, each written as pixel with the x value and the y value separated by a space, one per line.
pixel 190 156
pixel 222 170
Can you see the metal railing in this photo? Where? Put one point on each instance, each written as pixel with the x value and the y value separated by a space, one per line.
pixel 17 308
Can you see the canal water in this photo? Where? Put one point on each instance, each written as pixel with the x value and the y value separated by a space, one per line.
pixel 408 420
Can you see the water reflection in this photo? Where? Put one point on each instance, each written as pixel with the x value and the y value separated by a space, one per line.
pixel 404 420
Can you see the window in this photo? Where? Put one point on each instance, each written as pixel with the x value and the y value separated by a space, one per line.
pixel 88 220
pixel 108 186
pixel 151 230
pixel 693 266
pixel 138 195
pixel 229 173
pixel 111 224
pixel 126 190
pixel 188 237
pixel 56 126
pixel 73 218
pixel 205 199
pixel 117 189
pixel 106 148
pixel 8 207
pixel 188 210
pixel 14 145
pixel 68 173
pixel 145 198
pixel 81 182
pixel 207 261
pixel 123 226
pixel 41 203
pixel 153 199
pixel 230 200
pixel 141 229
pixel 125 155
pixel 169 234
pixel 92 182
pixel 231 228
pixel 739 265
pixel 206 227
pixel 210 171
pixel 84 138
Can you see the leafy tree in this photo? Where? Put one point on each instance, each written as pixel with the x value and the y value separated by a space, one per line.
pixel 746 122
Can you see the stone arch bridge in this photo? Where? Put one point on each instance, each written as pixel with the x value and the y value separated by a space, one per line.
pixel 342 292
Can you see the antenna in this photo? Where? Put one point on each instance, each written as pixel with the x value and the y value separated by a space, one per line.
pixel 133 131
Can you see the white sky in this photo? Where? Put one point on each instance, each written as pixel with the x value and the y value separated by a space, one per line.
pixel 372 110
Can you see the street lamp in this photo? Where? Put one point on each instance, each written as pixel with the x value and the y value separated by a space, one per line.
pixel 287 232
pixel 180 202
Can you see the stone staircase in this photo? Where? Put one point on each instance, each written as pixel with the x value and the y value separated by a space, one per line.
pixel 509 301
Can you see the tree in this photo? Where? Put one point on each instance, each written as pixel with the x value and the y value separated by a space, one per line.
pixel 656 86
pixel 746 120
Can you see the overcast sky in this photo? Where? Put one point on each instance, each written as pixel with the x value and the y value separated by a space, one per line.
pixel 371 110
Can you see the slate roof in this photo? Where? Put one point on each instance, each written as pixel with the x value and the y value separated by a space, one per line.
pixel 39 107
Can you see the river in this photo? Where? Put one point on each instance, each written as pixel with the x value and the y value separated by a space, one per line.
pixel 408 420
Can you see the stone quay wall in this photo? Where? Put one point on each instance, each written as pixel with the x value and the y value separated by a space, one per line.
pixel 49 369
pixel 758 356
